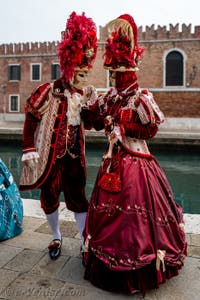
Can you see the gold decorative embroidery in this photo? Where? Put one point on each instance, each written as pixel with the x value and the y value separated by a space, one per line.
pixel 43 135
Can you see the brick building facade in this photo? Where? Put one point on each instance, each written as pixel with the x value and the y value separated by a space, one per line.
pixel 170 69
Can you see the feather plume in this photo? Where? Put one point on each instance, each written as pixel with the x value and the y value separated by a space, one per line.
pixel 78 46
pixel 122 52
pixel 125 27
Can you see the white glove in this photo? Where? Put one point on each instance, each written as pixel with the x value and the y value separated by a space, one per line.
pixel 89 95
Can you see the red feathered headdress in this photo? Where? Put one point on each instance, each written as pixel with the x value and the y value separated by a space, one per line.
pixel 122 52
pixel 78 47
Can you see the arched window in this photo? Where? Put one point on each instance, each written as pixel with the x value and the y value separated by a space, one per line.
pixel 174 69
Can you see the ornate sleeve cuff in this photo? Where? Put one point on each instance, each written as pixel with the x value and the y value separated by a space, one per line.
pixel 30 155
pixel 118 130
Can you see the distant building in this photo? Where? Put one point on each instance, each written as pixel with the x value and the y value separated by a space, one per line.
pixel 170 69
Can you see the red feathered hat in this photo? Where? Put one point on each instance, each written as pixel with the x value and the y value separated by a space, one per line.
pixel 78 47
pixel 122 52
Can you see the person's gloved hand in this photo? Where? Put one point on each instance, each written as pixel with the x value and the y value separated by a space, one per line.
pixel 89 95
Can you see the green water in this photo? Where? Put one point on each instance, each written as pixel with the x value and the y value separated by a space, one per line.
pixel 181 167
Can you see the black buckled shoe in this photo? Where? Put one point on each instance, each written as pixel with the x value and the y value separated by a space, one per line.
pixel 55 249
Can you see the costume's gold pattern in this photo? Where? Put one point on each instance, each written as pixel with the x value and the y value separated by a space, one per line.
pixel 43 142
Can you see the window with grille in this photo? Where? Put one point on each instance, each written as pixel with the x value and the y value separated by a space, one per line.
pixel 14 72
pixel 55 71
pixel 14 103
pixel 174 69
pixel 35 72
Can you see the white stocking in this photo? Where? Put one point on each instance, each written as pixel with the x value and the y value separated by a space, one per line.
pixel 80 221
pixel 54 224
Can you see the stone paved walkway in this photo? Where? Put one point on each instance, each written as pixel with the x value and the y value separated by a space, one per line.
pixel 26 272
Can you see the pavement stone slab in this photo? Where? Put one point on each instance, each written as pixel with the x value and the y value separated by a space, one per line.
pixel 71 247
pixel 193 251
pixel 73 272
pixel 7 253
pixel 30 240
pixel 31 287
pixel 7 276
pixel 67 228
pixel 24 261
pixel 195 240
pixel 193 244
pixel 32 223
pixel 49 268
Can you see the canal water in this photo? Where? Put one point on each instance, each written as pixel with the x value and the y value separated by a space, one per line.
pixel 181 167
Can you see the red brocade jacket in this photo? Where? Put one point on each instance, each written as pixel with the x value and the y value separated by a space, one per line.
pixel 46 131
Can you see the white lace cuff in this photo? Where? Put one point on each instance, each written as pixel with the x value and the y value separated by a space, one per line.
pixel 30 155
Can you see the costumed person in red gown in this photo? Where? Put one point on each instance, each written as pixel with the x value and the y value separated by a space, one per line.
pixel 134 234
pixel 53 136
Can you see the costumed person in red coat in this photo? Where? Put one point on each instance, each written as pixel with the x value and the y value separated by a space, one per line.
pixel 134 234
pixel 53 136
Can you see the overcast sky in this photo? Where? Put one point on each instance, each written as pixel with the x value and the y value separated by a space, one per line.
pixel 43 20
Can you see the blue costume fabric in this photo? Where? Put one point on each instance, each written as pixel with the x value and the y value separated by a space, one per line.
pixel 11 206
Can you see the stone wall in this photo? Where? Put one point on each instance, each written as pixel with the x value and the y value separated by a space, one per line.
pixel 31 49
pixel 157 43
pixel 149 33
pixel 179 103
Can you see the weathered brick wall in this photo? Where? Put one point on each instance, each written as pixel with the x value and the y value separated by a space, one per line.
pixel 97 75
pixel 186 101
pixel 152 65
pixel 178 104
pixel 157 42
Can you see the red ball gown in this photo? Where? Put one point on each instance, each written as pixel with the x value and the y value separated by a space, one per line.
pixel 134 238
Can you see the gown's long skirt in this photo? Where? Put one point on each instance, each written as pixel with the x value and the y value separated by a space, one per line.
pixel 11 207
pixel 134 239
